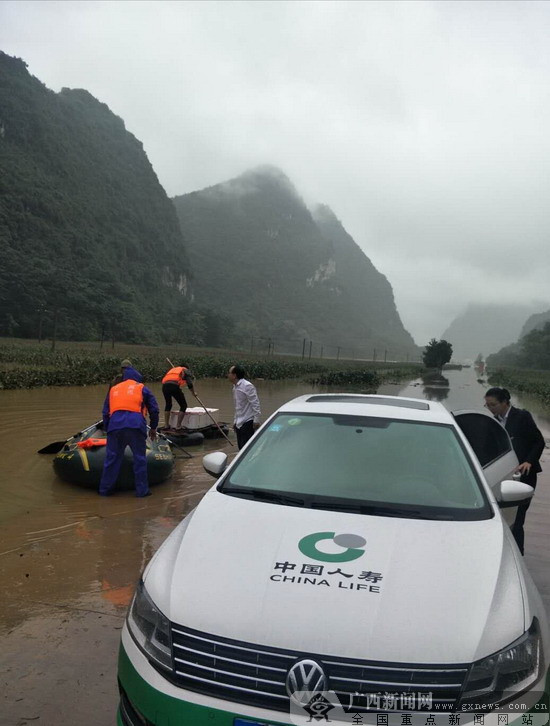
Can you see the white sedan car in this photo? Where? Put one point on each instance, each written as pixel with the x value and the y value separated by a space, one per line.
pixel 350 563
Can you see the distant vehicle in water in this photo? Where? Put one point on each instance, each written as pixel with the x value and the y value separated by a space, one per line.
pixel 479 365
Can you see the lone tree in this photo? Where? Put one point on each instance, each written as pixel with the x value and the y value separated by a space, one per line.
pixel 437 353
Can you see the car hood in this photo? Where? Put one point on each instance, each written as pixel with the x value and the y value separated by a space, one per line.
pixel 417 591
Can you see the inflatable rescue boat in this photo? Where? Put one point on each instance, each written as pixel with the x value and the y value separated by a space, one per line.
pixel 81 459
pixel 198 424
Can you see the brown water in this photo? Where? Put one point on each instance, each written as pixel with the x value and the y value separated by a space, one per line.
pixel 69 559
pixel 32 419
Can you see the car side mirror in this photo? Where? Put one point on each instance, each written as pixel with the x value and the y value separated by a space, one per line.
pixel 215 463
pixel 512 492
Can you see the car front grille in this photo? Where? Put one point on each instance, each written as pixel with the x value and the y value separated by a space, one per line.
pixel 256 675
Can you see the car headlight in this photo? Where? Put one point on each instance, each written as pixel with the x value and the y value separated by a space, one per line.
pixel 149 628
pixel 503 676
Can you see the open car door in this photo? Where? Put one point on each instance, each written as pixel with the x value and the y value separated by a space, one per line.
pixel 493 448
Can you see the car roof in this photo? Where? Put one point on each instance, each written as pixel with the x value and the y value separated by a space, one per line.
pixel 354 404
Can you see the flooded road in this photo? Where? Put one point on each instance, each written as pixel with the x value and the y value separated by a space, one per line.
pixel 69 559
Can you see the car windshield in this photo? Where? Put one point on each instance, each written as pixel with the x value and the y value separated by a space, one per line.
pixel 380 466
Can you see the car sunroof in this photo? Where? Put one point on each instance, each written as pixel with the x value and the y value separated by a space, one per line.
pixel 375 400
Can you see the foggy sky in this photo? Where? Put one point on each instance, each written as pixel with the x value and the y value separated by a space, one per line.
pixel 425 126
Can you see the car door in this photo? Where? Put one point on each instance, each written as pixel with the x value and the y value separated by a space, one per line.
pixel 493 448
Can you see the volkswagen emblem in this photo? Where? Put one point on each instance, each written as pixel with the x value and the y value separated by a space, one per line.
pixel 305 678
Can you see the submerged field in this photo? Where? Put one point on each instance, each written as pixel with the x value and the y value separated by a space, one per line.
pixel 27 364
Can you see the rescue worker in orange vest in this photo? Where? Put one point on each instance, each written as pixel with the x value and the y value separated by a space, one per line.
pixel 172 383
pixel 125 424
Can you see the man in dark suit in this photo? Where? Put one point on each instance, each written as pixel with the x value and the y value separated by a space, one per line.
pixel 528 443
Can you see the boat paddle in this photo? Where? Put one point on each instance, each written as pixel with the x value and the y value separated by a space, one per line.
pixel 56 446
pixel 207 412
pixel 222 432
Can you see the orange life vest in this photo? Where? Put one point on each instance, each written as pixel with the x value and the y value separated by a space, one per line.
pixel 90 443
pixel 174 375
pixel 126 396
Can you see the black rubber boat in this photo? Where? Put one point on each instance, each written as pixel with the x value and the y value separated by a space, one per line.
pixel 213 432
pixel 83 464
pixel 194 437
pixel 183 437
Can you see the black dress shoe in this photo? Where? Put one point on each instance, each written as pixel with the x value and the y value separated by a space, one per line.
pixel 147 494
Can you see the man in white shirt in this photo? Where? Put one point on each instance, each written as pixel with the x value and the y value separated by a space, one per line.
pixel 247 406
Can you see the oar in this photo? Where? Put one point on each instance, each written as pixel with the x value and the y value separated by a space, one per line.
pixel 222 432
pixel 56 446
pixel 207 412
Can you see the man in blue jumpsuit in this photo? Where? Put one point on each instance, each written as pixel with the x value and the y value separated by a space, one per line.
pixel 125 424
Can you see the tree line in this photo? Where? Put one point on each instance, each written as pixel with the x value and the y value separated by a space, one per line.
pixel 532 351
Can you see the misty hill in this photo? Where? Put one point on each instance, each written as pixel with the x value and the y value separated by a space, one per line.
pixel 535 322
pixel 485 329
pixel 86 230
pixel 528 351
pixel 284 272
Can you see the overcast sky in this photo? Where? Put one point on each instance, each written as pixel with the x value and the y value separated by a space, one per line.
pixel 425 126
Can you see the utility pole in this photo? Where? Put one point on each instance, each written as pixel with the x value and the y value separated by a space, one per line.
pixel 55 316
pixel 338 353
pixel 41 311
pixel 304 349
pixel 310 346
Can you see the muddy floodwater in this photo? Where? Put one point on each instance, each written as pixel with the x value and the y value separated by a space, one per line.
pixel 69 559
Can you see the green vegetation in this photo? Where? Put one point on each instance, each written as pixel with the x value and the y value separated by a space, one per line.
pixel 532 351
pixel 28 365
pixel 535 348
pixel 535 382
pixel 371 377
pixel 437 353
pixel 90 245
